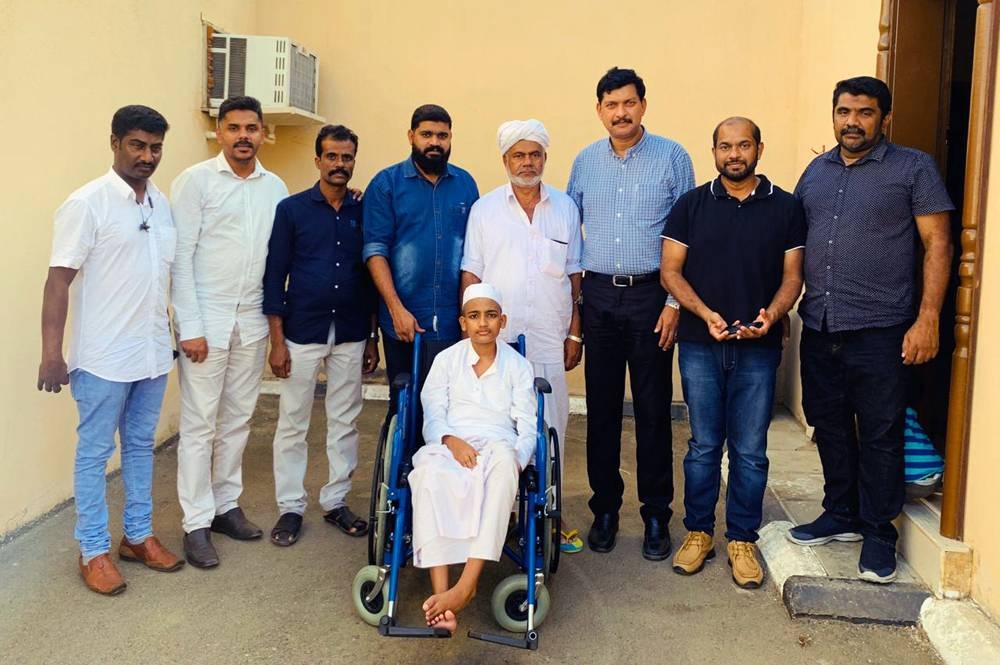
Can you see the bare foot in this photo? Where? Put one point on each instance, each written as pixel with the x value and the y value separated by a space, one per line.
pixel 446 620
pixel 454 599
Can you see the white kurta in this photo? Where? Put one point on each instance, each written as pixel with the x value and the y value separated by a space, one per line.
pixel 461 513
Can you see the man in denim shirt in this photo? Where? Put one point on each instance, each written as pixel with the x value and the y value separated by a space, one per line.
pixel 415 217
pixel 625 185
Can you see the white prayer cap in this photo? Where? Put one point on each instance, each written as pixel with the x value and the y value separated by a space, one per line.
pixel 513 131
pixel 481 290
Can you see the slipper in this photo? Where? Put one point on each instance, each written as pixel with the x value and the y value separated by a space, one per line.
pixel 346 521
pixel 286 530
pixel 571 543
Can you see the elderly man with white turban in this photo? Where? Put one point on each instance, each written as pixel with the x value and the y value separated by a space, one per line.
pixel 524 238
pixel 479 428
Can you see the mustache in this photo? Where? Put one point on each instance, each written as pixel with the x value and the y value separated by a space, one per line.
pixel 343 172
pixel 852 130
pixel 622 121
pixel 244 144
pixel 433 150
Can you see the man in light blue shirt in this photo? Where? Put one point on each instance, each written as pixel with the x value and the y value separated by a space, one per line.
pixel 625 186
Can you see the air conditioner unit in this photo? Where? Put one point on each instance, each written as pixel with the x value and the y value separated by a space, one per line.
pixel 275 70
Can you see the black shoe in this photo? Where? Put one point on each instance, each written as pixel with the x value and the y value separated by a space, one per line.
pixel 878 561
pixel 198 549
pixel 602 533
pixel 656 540
pixel 235 524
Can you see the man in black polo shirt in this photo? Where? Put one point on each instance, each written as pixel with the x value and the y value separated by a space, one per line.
pixel 732 256
pixel 320 306
pixel 867 203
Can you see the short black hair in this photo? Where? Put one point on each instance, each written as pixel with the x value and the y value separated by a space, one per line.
pixel 754 129
pixel 616 78
pixel 139 117
pixel 241 103
pixel 868 86
pixel 337 133
pixel 429 113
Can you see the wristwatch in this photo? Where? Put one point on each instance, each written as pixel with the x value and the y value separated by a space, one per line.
pixel 672 303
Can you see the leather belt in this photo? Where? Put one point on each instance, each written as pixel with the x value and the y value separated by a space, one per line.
pixel 624 281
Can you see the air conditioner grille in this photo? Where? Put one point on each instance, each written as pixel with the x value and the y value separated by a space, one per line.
pixel 218 90
pixel 237 67
pixel 303 88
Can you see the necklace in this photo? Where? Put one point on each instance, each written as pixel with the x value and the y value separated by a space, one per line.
pixel 144 219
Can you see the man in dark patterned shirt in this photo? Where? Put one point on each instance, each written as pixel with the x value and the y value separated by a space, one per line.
pixel 867 203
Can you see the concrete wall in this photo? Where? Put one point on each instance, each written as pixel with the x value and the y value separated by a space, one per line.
pixel 983 490
pixel 68 65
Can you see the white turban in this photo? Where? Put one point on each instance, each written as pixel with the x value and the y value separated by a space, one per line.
pixel 513 131
pixel 481 290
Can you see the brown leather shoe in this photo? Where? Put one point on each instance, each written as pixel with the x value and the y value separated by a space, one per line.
pixel 101 575
pixel 152 553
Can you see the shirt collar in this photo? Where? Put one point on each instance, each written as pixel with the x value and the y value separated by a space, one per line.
pixel 634 149
pixel 509 192
pixel 410 170
pixel 316 194
pixel 125 189
pixel 763 189
pixel 877 153
pixel 223 166
pixel 471 358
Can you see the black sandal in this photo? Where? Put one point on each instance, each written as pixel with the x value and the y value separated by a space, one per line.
pixel 346 521
pixel 286 530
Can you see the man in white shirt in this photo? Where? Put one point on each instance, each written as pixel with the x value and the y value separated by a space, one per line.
pixel 524 238
pixel 479 428
pixel 116 235
pixel 224 209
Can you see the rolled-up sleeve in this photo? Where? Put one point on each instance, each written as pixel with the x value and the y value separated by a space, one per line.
pixel 380 220
pixel 279 252
pixel 185 205
pixel 74 235
pixel 472 256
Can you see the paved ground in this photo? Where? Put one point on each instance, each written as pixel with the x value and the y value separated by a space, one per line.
pixel 265 604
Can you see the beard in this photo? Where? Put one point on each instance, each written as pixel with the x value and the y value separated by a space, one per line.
pixel 738 176
pixel 434 164
pixel 524 181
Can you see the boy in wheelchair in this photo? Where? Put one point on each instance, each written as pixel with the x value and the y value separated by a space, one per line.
pixel 479 428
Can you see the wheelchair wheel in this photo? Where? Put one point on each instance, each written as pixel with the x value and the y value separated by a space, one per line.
pixel 379 502
pixel 509 603
pixel 552 526
pixel 370 611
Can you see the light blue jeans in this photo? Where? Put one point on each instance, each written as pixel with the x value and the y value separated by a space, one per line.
pixel 132 409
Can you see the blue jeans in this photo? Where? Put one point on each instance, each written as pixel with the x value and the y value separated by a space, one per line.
pixel 854 393
pixel 133 409
pixel 729 390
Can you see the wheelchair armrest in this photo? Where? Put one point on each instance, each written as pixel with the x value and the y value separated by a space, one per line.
pixel 542 386
pixel 401 381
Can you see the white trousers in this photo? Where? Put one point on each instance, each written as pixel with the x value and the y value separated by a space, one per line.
pixel 556 402
pixel 217 400
pixel 342 364
pixel 458 513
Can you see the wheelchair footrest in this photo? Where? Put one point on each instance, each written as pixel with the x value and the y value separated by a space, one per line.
pixel 388 628
pixel 528 641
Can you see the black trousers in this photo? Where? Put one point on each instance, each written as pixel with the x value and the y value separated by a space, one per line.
pixel 399 360
pixel 854 394
pixel 618 328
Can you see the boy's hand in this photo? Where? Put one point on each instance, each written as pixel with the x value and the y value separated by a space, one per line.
pixel 460 449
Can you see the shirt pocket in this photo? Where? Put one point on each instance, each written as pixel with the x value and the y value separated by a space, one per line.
pixel 458 217
pixel 553 257
pixel 167 239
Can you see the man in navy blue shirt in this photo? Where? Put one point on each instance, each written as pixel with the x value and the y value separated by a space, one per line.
pixel 320 306
pixel 732 256
pixel 869 204
pixel 415 217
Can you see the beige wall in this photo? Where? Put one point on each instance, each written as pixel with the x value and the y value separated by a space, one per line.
pixel 67 66
pixel 983 490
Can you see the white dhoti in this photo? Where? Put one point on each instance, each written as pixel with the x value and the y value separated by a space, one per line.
pixel 458 513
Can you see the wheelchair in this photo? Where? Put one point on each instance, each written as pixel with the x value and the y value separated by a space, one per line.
pixel 519 602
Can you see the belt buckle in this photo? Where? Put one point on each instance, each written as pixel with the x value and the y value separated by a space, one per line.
pixel 626 280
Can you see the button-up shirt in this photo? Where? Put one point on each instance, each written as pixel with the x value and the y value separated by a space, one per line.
pixel 223 225
pixel 529 261
pixel 861 240
pixel 317 249
pixel 120 330
pixel 735 252
pixel 624 201
pixel 497 406
pixel 419 227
